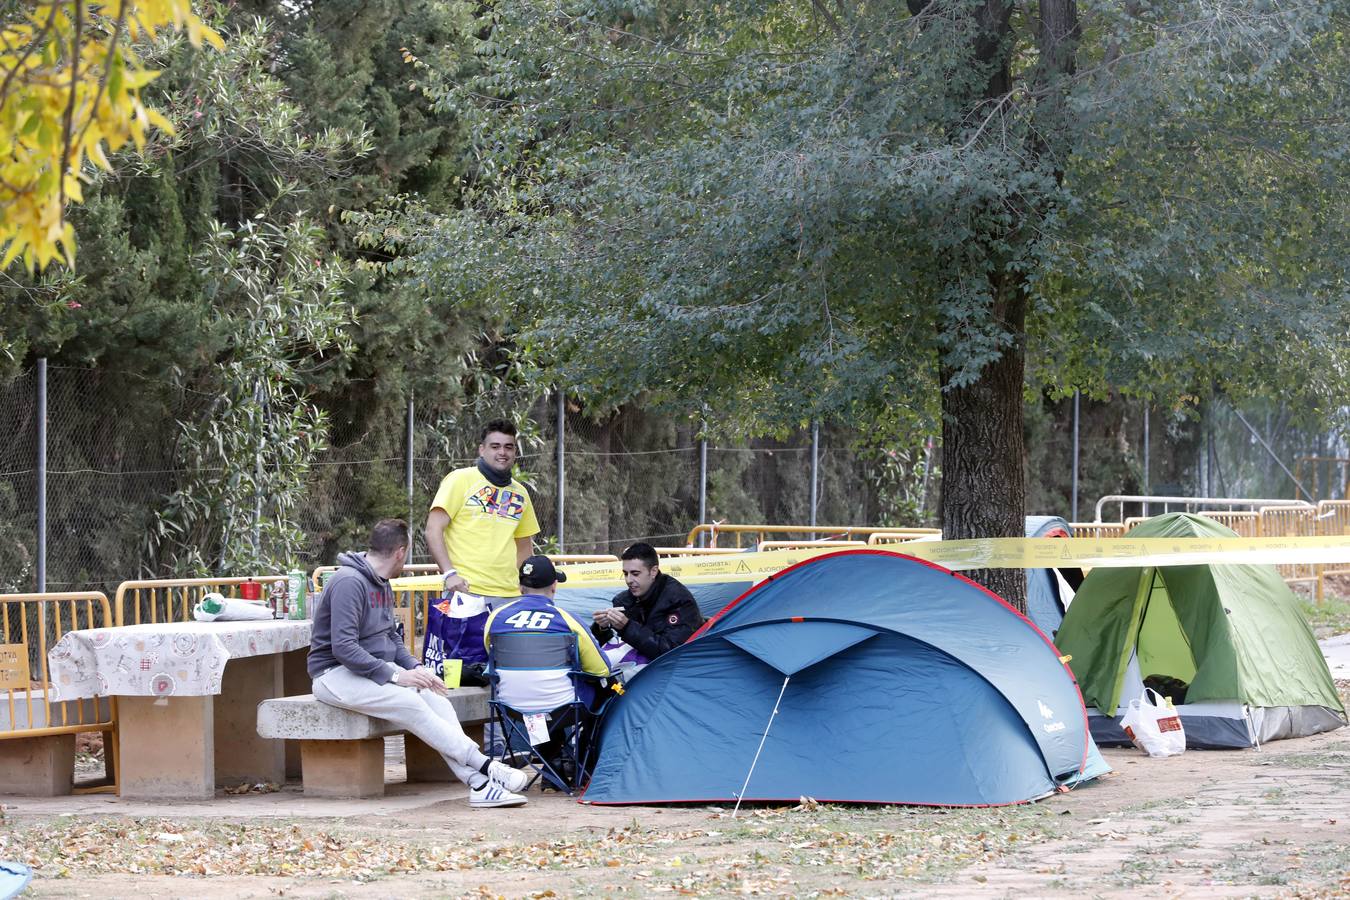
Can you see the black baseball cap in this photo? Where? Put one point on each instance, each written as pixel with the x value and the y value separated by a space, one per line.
pixel 538 572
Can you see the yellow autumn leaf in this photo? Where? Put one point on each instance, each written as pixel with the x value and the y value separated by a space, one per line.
pixel 55 61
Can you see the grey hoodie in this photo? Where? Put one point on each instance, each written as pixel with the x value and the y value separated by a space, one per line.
pixel 354 625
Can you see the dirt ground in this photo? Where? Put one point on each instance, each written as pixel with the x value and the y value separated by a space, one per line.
pixel 1274 822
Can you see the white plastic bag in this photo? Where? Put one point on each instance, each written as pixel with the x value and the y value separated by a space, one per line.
pixel 1154 727
pixel 215 608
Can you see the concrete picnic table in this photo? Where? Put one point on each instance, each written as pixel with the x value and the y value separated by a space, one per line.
pixel 187 695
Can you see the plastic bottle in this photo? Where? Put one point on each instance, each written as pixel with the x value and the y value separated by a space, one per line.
pixel 296 605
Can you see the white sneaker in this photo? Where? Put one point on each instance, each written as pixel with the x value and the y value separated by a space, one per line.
pixel 492 794
pixel 507 777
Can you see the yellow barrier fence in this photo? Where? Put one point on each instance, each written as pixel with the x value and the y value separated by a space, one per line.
pixel 32 625
pixel 1333 518
pixel 1330 518
pixel 316 577
pixel 761 533
pixel 1097 529
pixel 172 599
pixel 411 609
pixel 1293 521
pixel 897 536
pixel 1245 522
pixel 770 546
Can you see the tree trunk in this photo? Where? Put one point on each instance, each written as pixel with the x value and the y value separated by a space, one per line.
pixel 983 478
pixel 984 475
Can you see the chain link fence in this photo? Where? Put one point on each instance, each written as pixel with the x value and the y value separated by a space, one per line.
pixel 113 457
pixel 110 457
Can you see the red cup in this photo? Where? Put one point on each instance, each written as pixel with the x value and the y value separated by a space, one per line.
pixel 250 590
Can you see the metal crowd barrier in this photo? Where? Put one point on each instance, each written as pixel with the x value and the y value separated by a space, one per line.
pixel 790 532
pixel 32 625
pixel 1289 518
pixel 803 545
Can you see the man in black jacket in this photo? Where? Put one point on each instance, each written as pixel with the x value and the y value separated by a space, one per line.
pixel 655 614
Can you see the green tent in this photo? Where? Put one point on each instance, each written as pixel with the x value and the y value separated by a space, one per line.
pixel 1230 636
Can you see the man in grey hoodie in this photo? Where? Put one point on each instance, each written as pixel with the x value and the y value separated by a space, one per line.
pixel 358 662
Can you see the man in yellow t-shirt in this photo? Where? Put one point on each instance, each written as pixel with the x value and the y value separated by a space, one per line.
pixel 482 520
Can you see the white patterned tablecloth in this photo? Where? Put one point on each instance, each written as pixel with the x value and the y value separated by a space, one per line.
pixel 173 658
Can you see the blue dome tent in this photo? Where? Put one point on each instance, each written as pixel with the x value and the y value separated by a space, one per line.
pixel 862 676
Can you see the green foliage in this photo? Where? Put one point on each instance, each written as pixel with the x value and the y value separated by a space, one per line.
pixel 306 115
pixel 760 215
pixel 249 459
pixel 16 560
pixel 775 213
pixel 1209 147
pixel 904 477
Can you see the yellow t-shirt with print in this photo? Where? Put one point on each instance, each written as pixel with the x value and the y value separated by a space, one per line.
pixel 485 521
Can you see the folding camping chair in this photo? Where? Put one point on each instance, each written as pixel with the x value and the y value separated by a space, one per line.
pixel 570 725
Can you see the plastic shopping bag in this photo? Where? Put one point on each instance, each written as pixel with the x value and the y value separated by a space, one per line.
pixel 455 631
pixel 215 608
pixel 623 659
pixel 1154 726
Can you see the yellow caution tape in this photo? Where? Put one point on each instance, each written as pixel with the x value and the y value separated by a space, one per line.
pixel 991 553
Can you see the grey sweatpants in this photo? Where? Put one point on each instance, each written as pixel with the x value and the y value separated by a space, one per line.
pixel 425 714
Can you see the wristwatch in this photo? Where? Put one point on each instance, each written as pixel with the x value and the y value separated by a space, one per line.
pixel 393 679
pixel 448 573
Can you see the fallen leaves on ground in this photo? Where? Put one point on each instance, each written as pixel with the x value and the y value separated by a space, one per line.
pixel 773 852
pixel 163 847
pixel 262 787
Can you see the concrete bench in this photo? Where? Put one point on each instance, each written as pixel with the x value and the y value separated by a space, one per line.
pixel 43 765
pixel 342 752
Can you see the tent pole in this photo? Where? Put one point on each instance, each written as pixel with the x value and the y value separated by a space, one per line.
pixel 764 737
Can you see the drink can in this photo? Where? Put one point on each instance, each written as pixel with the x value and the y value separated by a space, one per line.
pixel 296 582
pixel 276 598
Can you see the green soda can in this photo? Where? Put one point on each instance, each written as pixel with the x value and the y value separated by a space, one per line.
pixel 295 595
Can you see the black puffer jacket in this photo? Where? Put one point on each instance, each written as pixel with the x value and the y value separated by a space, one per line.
pixel 659 620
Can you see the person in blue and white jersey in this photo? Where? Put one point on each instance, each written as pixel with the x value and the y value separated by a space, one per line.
pixel 540 689
pixel 543 689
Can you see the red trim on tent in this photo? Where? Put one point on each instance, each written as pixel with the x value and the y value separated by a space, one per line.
pixel 585 802
pixel 869 551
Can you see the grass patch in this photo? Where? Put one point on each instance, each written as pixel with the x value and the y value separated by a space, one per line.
pixel 1328 757
pixel 1328 618
pixel 1312 870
